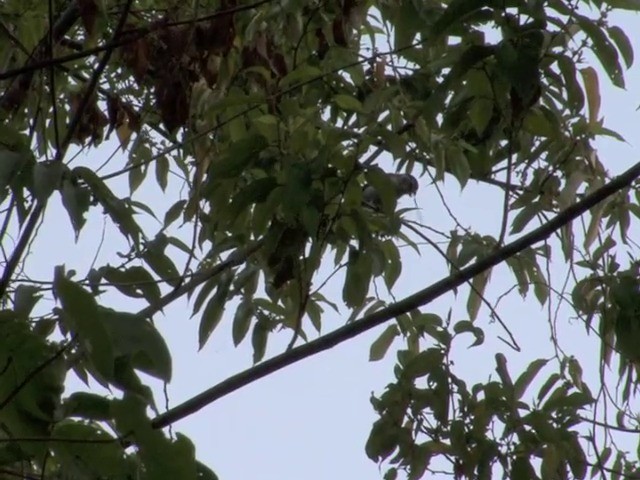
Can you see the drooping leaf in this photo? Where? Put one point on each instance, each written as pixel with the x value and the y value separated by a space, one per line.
pixel 380 345
pixel 82 316
pixel 212 313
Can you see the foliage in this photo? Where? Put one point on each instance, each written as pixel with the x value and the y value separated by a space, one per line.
pixel 262 122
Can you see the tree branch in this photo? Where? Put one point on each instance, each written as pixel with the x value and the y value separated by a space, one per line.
pixel 418 299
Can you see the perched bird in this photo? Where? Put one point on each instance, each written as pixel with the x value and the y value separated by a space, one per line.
pixel 403 183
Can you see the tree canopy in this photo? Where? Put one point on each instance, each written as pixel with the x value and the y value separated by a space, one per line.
pixel 264 124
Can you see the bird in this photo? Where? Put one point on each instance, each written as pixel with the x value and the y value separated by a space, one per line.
pixel 403 183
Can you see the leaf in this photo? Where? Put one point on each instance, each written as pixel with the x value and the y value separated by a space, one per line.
pixel 301 74
pixel 381 344
pixel 135 282
pixel 82 316
pixel 594 224
pixel 174 212
pixel 603 48
pixel 10 163
pixel 464 326
pixel 524 216
pixel 633 5
pixel 212 313
pixel 575 96
pixel 348 103
pixel 259 338
pixel 88 406
pixel 314 312
pixel 242 321
pixel 25 298
pixel 458 165
pixel 86 448
pixel 119 212
pixel 46 178
pixel 356 284
pixel 501 368
pixel 137 339
pixel 237 157
pixel 456 12
pixel 423 363
pixel 478 284
pixel 526 377
pixel 76 200
pixel 591 85
pixel 623 43
pixel 159 261
pixel 393 265
pixel 162 171
pixel 575 372
pixel 480 114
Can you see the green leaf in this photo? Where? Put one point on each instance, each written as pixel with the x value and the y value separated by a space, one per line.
pixel 301 74
pixel 356 284
pixel 137 339
pixel 87 449
pixel 575 372
pixel 259 339
pixel 25 298
pixel 381 345
pixel 46 178
pixel 163 459
pixel 314 312
pixel 120 213
pixel 578 460
pixel 82 316
pixel 242 321
pixel 548 385
pixel 592 88
pixel 212 313
pixel 480 114
pixel 633 5
pixel 524 216
pixel 174 212
pixel 501 368
pixel 623 43
pixel 456 13
pixel 348 103
pixel 575 96
pixel 464 326
pixel 423 363
pixel 478 283
pixel 458 165
pixel 159 261
pixel 89 406
pixel 525 379
pixel 10 163
pixel 603 48
pixel 237 158
pixel 76 200
pixel 135 282
pixel 393 265
pixel 521 468
pixel 162 171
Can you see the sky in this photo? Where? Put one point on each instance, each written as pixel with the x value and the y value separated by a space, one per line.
pixel 311 420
